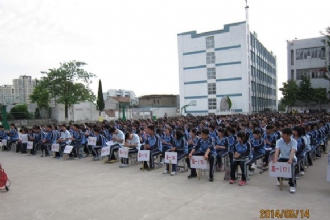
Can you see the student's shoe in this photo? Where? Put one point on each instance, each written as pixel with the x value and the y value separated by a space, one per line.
pixel 302 173
pixel 58 158
pixel 7 189
pixel 242 183
pixel 278 183
pixel 292 189
pixel 251 172
pixel 165 172
pixel 145 168
pixel 47 155
pixel 112 161
pixel 192 176
pixel 231 181
pixel 150 169
pixel 123 165
pixel 211 179
pixel 173 173
pixel 75 158
pixel 42 155
pixel 29 154
pixel 222 168
pixel 253 166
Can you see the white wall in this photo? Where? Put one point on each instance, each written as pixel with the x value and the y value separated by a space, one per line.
pixel 85 111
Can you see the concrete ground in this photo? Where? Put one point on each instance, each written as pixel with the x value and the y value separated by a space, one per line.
pixel 47 189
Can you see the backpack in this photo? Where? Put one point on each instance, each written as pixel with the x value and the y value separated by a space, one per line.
pixel 3 178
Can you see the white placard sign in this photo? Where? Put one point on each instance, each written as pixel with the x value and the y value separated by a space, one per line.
pixel 92 141
pixel 280 169
pixel 55 147
pixel 24 138
pixel 198 162
pixel 328 173
pixel 29 145
pixel 68 149
pixel 171 156
pixel 105 151
pixel 143 155
pixel 4 142
pixel 123 152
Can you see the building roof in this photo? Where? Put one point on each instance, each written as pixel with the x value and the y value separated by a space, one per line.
pixel 153 96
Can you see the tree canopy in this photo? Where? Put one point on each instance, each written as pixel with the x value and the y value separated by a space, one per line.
pixel 68 85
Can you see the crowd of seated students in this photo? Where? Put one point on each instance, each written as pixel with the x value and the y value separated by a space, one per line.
pixel 297 139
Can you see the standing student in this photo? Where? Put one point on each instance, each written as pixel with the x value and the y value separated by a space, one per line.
pixel 241 153
pixel 286 148
pixel 204 147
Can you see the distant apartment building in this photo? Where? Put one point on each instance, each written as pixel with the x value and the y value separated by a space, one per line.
pixel 121 93
pixel 309 57
pixel 7 96
pixel 23 87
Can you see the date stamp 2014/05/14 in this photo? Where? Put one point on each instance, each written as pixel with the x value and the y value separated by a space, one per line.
pixel 284 213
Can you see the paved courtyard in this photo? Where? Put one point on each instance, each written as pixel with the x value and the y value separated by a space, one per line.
pixel 47 189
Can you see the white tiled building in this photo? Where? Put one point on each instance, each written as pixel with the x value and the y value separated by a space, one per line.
pixel 229 62
pixel 7 95
pixel 121 93
pixel 23 87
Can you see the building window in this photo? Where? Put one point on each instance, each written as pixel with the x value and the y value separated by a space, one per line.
pixel 212 89
pixel 210 42
pixel 310 53
pixel 211 74
pixel 292 74
pixel 210 57
pixel 292 57
pixel 157 101
pixel 212 103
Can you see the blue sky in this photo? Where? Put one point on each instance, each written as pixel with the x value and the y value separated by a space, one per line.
pixel 132 44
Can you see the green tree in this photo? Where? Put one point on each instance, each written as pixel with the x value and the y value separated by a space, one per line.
pixel 320 96
pixel 41 95
pixel 305 91
pixel 20 112
pixel 229 103
pixel 37 113
pixel 68 84
pixel 100 100
pixel 290 91
pixel 281 106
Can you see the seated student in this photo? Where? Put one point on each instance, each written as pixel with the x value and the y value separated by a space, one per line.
pixel 100 142
pixel 37 138
pixel 48 140
pixel 192 142
pixel 21 147
pixel 270 142
pixel 3 134
pixel 301 146
pixel 180 146
pixel 153 144
pixel 286 148
pixel 221 147
pixel 241 153
pixel 258 148
pixel 13 136
pixel 167 141
pixel 77 140
pixel 118 139
pixel 232 139
pixel 132 141
pixel 65 139
pixel 204 147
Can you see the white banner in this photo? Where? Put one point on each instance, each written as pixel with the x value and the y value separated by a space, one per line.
pixel 92 141
pixel 68 149
pixel 171 156
pixel 109 143
pixel 55 147
pixel 105 151
pixel 24 138
pixel 123 152
pixel 143 155
pixel 29 145
pixel 280 169
pixel 198 162
pixel 328 173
